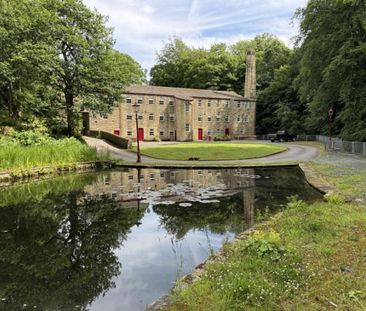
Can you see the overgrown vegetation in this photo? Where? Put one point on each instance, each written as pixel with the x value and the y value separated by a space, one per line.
pixel 35 148
pixel 309 257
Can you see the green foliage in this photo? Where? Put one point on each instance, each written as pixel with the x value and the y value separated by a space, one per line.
pixel 220 67
pixel 332 65
pixel 266 245
pixel 30 138
pixel 53 52
pixel 32 150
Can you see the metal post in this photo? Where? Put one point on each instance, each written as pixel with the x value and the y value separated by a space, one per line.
pixel 137 139
pixel 330 114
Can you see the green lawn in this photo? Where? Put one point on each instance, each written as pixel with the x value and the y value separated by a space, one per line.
pixel 211 151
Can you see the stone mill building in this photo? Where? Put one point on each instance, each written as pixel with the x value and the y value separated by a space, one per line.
pixel 183 114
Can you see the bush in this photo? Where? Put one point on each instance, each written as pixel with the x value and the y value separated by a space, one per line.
pixel 31 138
pixel 266 245
pixel 222 138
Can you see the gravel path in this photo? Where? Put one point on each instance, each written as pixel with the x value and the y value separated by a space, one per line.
pixel 294 153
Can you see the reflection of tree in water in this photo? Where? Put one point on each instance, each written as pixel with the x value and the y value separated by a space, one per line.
pixel 57 254
pixel 280 184
pixel 227 215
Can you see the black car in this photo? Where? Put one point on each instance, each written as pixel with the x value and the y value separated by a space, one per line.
pixel 282 136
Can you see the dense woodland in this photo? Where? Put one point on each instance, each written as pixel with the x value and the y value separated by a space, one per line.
pixel 57 58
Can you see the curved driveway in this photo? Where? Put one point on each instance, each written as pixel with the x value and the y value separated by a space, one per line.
pixel 294 153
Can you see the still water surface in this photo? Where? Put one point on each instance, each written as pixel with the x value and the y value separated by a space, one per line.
pixel 117 240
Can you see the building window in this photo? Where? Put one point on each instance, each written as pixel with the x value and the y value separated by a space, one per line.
pixel 129 116
pixel 129 132
pixel 188 107
pixel 238 118
pixel 161 132
pixel 151 116
pixel 140 116
pixel 151 132
pixel 130 177
pixel 151 99
pixel 247 105
pixel 209 132
pixel 161 118
pixel 139 99
pixel 242 131
pixel 239 105
pixel 161 101
pixel 199 118
pixel 162 174
pixel 171 101
pixel 199 103
pixel 171 133
pixel 227 104
pixel 188 127
pixel 227 119
pixel 209 118
pixel 171 117
pixel 128 100
pixel 246 119
pixel 218 104
pixel 152 176
pixel 218 118
pixel 209 103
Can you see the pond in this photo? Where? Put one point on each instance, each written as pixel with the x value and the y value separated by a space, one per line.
pixel 117 240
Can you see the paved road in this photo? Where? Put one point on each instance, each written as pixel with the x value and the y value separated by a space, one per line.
pixel 294 153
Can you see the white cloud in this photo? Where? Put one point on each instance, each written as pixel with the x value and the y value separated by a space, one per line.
pixel 142 26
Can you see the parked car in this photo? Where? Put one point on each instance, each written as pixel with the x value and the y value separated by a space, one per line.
pixel 282 136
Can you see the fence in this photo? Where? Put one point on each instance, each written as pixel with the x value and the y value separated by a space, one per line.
pixel 337 144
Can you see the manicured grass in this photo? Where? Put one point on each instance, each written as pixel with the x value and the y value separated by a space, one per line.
pixel 56 153
pixel 211 151
pixel 305 258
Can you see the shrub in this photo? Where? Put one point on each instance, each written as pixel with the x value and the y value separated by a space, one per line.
pixel 266 245
pixel 221 138
pixel 31 138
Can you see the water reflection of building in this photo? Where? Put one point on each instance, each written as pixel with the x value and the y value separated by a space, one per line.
pixel 125 186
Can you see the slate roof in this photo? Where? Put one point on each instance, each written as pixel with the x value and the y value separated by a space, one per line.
pixel 182 93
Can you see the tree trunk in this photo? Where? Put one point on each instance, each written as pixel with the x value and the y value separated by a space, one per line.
pixel 8 96
pixel 69 99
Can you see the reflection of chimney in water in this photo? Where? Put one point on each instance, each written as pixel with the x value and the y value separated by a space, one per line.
pixel 248 205
pixel 249 201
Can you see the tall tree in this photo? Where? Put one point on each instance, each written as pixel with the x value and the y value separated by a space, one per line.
pixel 25 51
pixel 333 65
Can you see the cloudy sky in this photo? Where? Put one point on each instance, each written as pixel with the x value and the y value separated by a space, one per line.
pixel 142 26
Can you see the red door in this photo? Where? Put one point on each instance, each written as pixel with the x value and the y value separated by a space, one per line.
pixel 140 134
pixel 200 134
pixel 227 132
pixel 116 132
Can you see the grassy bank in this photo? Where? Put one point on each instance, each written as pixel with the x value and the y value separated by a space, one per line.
pixel 211 151
pixel 305 258
pixel 53 153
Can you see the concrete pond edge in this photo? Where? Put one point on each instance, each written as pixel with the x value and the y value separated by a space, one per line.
pixel 314 179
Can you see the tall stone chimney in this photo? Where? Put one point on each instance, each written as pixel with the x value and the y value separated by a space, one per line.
pixel 250 76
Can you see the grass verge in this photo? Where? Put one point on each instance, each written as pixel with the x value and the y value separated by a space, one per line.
pixel 305 258
pixel 211 151
pixel 53 154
